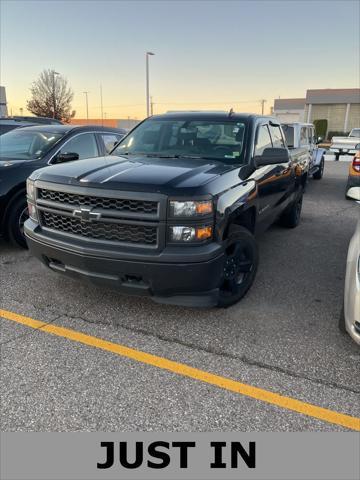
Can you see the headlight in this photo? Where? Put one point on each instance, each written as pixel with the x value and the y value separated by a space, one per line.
pixel 190 208
pixel 33 212
pixel 30 189
pixel 190 234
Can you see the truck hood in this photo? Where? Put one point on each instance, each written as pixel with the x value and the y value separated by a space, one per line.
pixel 135 173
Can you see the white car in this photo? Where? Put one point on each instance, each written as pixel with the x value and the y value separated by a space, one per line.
pixel 350 317
pixel 345 145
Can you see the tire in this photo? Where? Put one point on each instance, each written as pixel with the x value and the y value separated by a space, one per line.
pixel 342 327
pixel 319 174
pixel 240 266
pixel 15 221
pixel 291 217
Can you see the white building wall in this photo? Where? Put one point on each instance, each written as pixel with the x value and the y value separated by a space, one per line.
pixel 287 116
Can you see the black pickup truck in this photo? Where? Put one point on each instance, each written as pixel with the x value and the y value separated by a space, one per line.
pixel 173 212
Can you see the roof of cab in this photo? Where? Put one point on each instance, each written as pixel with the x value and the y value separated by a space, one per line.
pixel 69 128
pixel 215 115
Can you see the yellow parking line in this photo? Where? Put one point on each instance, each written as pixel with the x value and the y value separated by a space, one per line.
pixel 288 403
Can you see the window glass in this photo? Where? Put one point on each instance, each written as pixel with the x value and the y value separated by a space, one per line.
pixel 84 145
pixel 276 135
pixel 263 140
pixel 289 135
pixel 303 136
pixel 27 144
pixel 220 140
pixel 110 139
pixel 310 135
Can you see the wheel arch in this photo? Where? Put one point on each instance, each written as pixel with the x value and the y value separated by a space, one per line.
pixel 242 217
pixel 14 194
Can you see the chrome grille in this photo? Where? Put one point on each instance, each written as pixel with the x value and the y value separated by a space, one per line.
pixel 118 204
pixel 118 232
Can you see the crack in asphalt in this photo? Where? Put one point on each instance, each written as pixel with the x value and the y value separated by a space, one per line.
pixel 29 333
pixel 221 353
pixel 213 351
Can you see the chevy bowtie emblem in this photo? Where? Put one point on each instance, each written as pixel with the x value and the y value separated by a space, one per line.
pixel 86 214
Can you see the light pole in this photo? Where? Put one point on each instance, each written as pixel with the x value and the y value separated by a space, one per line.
pixel 87 105
pixel 262 106
pixel 147 83
pixel 54 90
pixel 101 106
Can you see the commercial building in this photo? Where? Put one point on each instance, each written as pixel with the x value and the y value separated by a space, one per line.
pixel 127 123
pixel 289 109
pixel 339 106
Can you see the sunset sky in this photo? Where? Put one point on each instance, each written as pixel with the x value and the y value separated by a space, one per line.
pixel 209 55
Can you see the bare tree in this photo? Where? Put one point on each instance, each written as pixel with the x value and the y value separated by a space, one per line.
pixel 51 97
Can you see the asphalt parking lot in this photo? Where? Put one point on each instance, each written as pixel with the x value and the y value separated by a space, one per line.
pixel 282 338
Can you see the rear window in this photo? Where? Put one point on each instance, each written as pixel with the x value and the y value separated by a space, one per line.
pixel 289 135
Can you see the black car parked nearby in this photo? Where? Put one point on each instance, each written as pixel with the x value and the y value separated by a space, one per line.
pixel 173 212
pixel 26 149
pixel 9 123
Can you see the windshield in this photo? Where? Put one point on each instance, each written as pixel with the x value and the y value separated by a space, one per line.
pixel 218 140
pixel 22 144
pixel 355 132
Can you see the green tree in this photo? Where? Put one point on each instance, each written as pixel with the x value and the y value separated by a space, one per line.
pixel 51 97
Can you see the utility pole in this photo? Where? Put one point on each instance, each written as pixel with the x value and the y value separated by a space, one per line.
pixel 151 106
pixel 262 106
pixel 147 83
pixel 87 105
pixel 101 106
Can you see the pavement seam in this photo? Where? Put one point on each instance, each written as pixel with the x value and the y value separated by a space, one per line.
pixel 242 358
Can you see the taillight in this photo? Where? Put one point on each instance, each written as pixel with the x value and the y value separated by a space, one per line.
pixel 356 162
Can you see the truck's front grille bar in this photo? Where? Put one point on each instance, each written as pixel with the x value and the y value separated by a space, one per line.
pixel 145 207
pixel 115 232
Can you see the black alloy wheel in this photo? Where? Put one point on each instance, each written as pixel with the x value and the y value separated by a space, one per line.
pixel 240 266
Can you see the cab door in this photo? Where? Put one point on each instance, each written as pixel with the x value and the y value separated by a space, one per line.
pixel 268 178
pixel 286 171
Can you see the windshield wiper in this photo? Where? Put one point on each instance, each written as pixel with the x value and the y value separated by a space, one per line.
pixel 178 155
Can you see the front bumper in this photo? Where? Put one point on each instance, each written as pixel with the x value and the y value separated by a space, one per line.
pixel 352 311
pixel 343 151
pixel 175 279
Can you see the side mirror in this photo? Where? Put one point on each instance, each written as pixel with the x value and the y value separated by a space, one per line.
pixel 66 157
pixel 271 156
